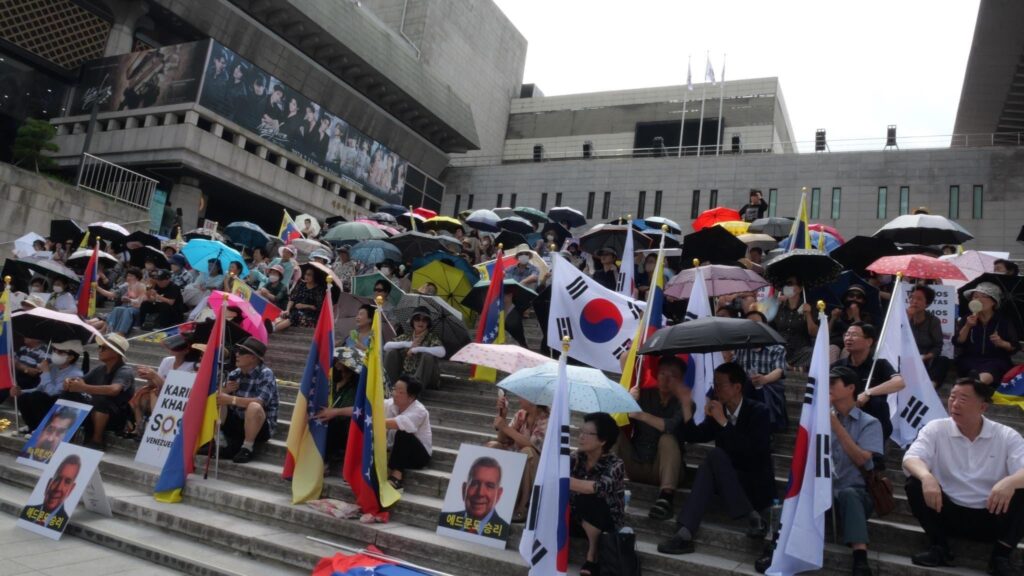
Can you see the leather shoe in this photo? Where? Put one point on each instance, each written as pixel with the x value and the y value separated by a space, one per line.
pixel 676 545
pixel 934 557
pixel 861 569
pixel 244 455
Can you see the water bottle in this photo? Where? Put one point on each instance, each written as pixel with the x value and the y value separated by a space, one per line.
pixel 626 495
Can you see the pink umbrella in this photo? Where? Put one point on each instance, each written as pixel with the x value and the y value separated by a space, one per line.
pixel 504 357
pixel 829 229
pixel 972 263
pixel 391 231
pixel 720 280
pixel 252 322
pixel 917 266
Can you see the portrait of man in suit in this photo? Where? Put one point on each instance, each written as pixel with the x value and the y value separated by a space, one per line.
pixel 50 513
pixel 481 493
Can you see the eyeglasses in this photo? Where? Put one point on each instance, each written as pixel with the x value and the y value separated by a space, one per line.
pixel 587 433
pixel 853 335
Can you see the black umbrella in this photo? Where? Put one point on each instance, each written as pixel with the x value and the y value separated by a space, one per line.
pixel 516 224
pixel 510 240
pixel 860 252
pixel 418 244
pixel 203 234
pixel 923 229
pixel 247 234
pixel 138 239
pixel 774 226
pixel 62 231
pixel 522 296
pixel 713 244
pixel 833 292
pixel 561 234
pixel 22 271
pixel 612 236
pixel 445 321
pixel 811 267
pixel 573 216
pixel 109 232
pixel 711 334
pixel 1011 306
pixel 51 326
pixel 138 257
pixel 393 209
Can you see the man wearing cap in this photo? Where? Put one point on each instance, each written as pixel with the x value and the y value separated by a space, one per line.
pixel 841 318
pixel 607 274
pixel 108 388
pixel 856 446
pixel 416 352
pixel 524 272
pixel 859 341
pixel 275 289
pixel 56 367
pixel 346 268
pixel 180 275
pixel 250 399
pixel 163 299
pixel 985 341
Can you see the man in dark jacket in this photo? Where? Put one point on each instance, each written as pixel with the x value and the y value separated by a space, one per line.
pixel 739 467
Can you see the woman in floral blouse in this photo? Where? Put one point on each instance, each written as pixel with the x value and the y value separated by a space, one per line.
pixel 525 434
pixel 597 484
pixel 303 304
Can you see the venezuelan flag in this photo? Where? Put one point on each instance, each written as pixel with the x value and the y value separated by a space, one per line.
pixel 289 231
pixel 1010 391
pixel 360 565
pixel 366 455
pixel 261 305
pixel 307 437
pixel 161 335
pixel 799 235
pixel 6 345
pixel 486 269
pixel 649 323
pixel 491 329
pixel 198 423
pixel 87 289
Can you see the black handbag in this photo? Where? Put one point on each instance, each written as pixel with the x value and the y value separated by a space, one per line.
pixel 616 554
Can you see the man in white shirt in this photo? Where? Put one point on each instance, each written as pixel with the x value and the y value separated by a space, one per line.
pixel 408 424
pixel 965 475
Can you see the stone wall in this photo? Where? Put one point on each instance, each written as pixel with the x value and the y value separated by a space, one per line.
pixel 28 201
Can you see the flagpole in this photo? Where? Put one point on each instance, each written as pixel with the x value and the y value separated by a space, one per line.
pixel 721 99
pixel 881 335
pixel 644 320
pixel 703 94
pixel 682 119
pixel 10 347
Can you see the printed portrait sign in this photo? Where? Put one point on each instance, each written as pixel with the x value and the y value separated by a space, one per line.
pixel 944 308
pixel 59 425
pixel 165 421
pixel 60 487
pixel 481 495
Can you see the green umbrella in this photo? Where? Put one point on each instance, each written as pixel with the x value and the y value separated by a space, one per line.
pixel 363 286
pixel 532 214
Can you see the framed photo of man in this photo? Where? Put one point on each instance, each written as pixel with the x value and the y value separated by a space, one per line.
pixel 481 495
pixel 59 489
pixel 59 425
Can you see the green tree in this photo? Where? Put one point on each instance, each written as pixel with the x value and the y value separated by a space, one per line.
pixel 35 137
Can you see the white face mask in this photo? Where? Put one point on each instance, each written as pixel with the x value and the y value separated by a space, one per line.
pixel 275 278
pixel 58 358
pixel 385 271
pixel 524 259
pixel 58 289
pixel 551 237
pixel 35 290
pixel 788 291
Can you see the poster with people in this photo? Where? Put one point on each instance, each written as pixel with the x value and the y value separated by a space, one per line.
pixel 164 423
pixel 60 487
pixel 481 495
pixel 158 77
pixel 247 95
pixel 59 425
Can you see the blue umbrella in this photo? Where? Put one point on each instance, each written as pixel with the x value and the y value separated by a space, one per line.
pixel 198 252
pixel 831 242
pixel 247 234
pixel 485 220
pixel 589 389
pixel 374 252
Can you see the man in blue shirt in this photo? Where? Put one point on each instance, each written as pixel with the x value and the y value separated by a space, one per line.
pixel 250 401
pixel 524 272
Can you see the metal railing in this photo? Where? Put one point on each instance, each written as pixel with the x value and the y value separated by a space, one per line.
pixel 123 185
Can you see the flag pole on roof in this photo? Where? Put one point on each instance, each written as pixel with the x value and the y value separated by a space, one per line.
pixel 721 99
pixel 682 119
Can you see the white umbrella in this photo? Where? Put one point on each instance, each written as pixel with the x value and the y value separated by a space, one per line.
pixel 300 221
pixel 503 357
pixel 658 221
pixel 23 246
pixel 972 263
pixel 923 230
pixel 86 253
pixel 485 220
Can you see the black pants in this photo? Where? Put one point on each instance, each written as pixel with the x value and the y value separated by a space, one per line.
pixel 407 453
pixel 119 414
pixel 593 510
pixel 716 475
pixel 233 427
pixel 971 523
pixel 337 437
pixel 33 407
pixel 166 314
pixel 938 368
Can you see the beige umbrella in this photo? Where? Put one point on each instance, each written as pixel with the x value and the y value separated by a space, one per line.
pixel 300 222
pixel 762 241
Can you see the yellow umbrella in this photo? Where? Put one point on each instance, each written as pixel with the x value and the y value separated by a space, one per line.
pixel 735 227
pixel 452 284
pixel 446 223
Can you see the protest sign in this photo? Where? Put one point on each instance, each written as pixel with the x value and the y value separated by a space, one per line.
pixel 165 420
pixel 59 425
pixel 61 485
pixel 481 495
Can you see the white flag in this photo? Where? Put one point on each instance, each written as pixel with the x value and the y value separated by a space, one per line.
pixel 918 403
pixel 545 541
pixel 700 374
pixel 709 72
pixel 627 269
pixel 689 75
pixel 801 544
pixel 600 322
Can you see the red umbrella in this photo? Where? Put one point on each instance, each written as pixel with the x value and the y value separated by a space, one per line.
pixel 917 266
pixel 426 213
pixel 829 229
pixel 711 217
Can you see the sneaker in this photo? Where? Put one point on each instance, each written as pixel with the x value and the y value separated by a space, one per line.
pixel 676 545
pixel 662 510
pixel 244 455
pixel 934 557
pixel 1001 566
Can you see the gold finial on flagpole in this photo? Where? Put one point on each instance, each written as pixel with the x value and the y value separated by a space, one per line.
pixel 821 305
pixel 899 275
pixel 380 301
pixel 664 228
pixel 565 344
pixel 696 263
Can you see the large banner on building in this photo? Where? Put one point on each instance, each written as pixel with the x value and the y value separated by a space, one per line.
pixel 159 77
pixel 236 89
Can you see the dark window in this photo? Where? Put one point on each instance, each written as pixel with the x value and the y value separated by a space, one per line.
pixel 713 199
pixel 904 200
pixel 605 205
pixel 500 198
pixel 458 204
pixel 695 205
pixel 837 198
pixel 883 198
pixel 543 201
pixel 954 202
pixel 640 201
pixel 815 203
pixel 977 202
pixel 657 202
pixel 558 198
pixel 773 200
pixel 512 202
pixel 469 202
pixel 590 204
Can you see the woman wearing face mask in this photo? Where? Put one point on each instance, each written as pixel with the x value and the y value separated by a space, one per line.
pixel 796 323
pixel 985 342
pixel 60 364
pixel 286 260
pixel 129 296
pixel 60 299
pixel 274 289
pixel 303 304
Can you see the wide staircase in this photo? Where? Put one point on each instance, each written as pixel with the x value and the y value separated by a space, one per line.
pixel 241 520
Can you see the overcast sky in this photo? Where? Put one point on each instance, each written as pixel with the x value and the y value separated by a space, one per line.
pixel 851 68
